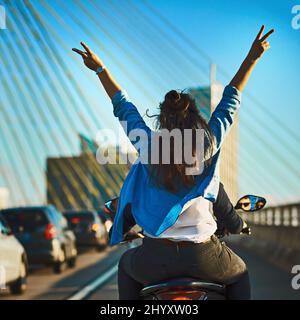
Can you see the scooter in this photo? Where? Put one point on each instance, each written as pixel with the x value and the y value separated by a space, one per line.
pixel 190 288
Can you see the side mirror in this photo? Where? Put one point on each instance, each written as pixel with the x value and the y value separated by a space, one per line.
pixel 250 203
pixel 111 205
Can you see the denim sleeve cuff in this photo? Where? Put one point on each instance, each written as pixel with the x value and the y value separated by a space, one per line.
pixel 233 92
pixel 120 96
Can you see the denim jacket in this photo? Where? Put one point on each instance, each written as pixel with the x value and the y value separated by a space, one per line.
pixel 156 209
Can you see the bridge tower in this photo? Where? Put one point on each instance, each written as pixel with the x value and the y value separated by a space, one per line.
pixel 207 98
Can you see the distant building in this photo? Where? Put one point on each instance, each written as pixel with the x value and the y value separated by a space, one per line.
pixel 81 182
pixel 207 99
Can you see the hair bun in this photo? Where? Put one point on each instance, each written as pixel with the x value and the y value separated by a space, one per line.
pixel 175 101
pixel 172 96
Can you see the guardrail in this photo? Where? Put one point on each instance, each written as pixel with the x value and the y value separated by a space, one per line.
pixel 285 215
pixel 275 234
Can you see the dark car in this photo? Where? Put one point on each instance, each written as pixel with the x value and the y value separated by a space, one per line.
pixel 45 235
pixel 88 228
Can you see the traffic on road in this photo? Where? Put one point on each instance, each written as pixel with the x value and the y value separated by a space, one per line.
pixel 38 240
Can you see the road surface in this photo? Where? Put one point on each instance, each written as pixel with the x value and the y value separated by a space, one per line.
pixel 268 281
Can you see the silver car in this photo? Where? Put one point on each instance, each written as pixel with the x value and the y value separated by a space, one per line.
pixel 13 261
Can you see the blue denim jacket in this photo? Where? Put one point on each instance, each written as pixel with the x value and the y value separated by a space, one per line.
pixel 155 209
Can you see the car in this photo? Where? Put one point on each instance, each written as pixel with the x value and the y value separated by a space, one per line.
pixel 13 261
pixel 88 228
pixel 45 235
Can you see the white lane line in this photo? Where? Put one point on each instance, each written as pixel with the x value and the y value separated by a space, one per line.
pixel 98 282
pixel 85 291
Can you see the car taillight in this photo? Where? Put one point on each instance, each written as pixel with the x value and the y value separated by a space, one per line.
pixel 75 220
pixel 50 232
pixel 95 227
pixel 182 295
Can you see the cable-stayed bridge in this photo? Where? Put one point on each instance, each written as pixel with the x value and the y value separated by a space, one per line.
pixel 49 102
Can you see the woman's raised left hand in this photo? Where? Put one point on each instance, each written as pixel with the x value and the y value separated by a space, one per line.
pixel 260 44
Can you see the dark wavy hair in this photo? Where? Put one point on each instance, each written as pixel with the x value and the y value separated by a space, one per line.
pixel 179 111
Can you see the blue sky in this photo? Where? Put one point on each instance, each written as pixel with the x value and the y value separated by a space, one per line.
pixel 149 59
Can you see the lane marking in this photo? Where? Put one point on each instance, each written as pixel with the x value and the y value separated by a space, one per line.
pixel 98 282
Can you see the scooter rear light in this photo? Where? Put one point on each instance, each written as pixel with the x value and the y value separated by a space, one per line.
pixel 182 295
pixel 181 298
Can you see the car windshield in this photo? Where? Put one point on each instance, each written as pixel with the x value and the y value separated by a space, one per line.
pixel 25 221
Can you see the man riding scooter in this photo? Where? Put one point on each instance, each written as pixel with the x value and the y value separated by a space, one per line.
pixel 228 221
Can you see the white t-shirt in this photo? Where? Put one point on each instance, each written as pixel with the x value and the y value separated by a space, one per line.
pixel 195 223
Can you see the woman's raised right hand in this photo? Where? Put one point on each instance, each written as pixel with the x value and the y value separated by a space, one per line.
pixel 90 59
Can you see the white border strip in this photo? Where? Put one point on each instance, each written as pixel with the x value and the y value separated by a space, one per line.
pixel 87 290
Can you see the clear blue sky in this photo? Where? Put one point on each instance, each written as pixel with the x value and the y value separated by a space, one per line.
pixel 145 57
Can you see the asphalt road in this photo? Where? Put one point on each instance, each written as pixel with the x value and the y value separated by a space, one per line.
pixel 43 284
pixel 268 281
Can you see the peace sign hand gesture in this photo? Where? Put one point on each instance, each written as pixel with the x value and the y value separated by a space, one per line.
pixel 260 44
pixel 90 59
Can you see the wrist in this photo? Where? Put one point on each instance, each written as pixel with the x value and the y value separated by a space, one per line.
pixel 251 59
pixel 100 69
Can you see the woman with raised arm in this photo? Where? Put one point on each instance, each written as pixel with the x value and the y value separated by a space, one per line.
pixel 171 206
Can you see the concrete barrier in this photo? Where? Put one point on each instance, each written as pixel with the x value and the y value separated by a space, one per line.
pixel 278 244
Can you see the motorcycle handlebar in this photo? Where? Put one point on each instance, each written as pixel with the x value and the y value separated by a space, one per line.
pixel 133 236
pixel 246 230
pixel 220 233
